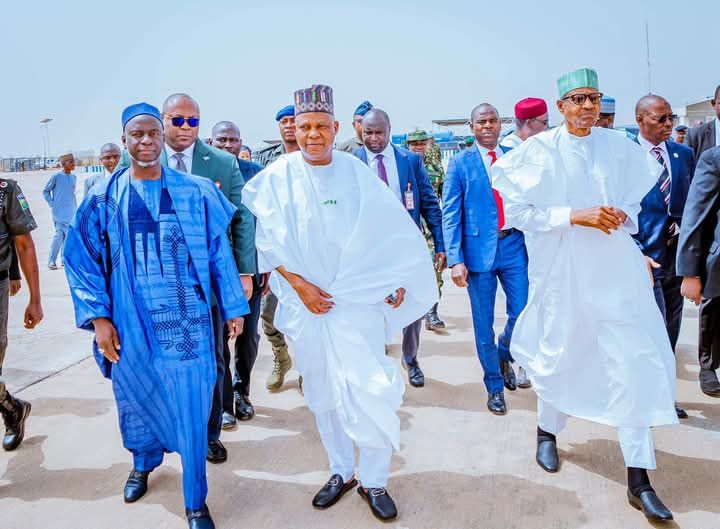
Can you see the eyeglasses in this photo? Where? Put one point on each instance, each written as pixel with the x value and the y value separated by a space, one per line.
pixel 543 121
pixel 179 121
pixel 662 119
pixel 579 99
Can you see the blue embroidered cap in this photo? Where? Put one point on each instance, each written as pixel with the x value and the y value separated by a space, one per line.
pixel 140 109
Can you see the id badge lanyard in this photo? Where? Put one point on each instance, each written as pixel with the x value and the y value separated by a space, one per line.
pixel 409 198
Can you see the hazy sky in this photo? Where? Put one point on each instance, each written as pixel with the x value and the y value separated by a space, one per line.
pixel 82 62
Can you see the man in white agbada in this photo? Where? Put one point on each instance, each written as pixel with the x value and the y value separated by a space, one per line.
pixel 349 268
pixel 591 337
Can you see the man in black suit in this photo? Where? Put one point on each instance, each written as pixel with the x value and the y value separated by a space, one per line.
pixel 226 137
pixel 698 260
pixel 706 136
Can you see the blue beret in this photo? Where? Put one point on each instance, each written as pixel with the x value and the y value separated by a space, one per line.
pixel 364 108
pixel 285 112
pixel 607 105
pixel 139 109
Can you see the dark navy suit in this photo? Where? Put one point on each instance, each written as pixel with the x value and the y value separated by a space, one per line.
pixel 413 176
pixel 657 239
pixel 246 345
pixel 470 228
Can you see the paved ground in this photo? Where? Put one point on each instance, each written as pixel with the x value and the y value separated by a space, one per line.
pixel 459 467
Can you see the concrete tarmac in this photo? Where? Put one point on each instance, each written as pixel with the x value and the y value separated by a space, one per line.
pixel 459 466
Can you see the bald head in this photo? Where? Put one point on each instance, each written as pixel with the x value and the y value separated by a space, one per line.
pixel 110 156
pixel 226 136
pixel 179 99
pixel 648 102
pixel 483 108
pixel 376 130
pixel 485 125
pixel 654 118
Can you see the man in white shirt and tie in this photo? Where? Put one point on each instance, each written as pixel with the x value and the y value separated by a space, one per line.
pixel 405 174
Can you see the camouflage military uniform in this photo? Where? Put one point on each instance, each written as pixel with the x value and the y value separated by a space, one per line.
pixel 270 153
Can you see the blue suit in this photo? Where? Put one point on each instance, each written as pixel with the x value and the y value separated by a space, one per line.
pixel 413 176
pixel 470 228
pixel 655 239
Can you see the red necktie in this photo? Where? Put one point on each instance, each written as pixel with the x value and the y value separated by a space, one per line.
pixel 498 198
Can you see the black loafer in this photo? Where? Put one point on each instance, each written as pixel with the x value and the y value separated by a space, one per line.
pixel 709 383
pixel 546 455
pixel 135 486
pixel 244 410
pixel 496 403
pixel 416 377
pixel 380 502
pixel 651 506
pixel 508 374
pixel 216 452
pixel 199 519
pixel 333 490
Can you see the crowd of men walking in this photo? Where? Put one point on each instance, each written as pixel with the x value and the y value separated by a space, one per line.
pixel 182 245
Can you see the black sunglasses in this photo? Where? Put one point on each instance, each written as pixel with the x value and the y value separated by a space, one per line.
pixel 179 121
pixel 664 118
pixel 579 99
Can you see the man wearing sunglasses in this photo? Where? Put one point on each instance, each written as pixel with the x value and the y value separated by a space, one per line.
pixel 186 153
pixel 662 209
pixel 591 338
pixel 531 117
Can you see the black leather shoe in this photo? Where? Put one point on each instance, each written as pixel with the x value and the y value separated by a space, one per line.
pixel 135 486
pixel 244 409
pixel 216 452
pixel 229 422
pixel 508 374
pixel 651 506
pixel 709 383
pixel 332 491
pixel 415 375
pixel 546 455
pixel 496 403
pixel 15 412
pixel 380 502
pixel 199 519
pixel 681 413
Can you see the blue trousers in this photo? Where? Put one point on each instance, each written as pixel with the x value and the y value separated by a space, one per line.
pixel 61 231
pixel 510 268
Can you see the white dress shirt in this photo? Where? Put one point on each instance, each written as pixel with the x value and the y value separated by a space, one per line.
pixel 717 132
pixel 648 146
pixel 187 157
pixel 486 157
pixel 390 163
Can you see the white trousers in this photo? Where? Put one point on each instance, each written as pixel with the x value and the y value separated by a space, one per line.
pixel 374 463
pixel 636 443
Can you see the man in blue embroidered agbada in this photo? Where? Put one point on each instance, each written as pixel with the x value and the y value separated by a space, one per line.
pixel 144 252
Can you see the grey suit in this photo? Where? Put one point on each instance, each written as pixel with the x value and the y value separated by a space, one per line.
pixel 699 251
pixel 702 138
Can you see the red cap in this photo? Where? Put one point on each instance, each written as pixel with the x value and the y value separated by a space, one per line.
pixel 530 107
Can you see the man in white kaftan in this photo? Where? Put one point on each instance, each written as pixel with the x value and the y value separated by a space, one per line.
pixel 591 337
pixel 331 233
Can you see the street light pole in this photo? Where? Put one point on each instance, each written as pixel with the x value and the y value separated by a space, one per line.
pixel 44 123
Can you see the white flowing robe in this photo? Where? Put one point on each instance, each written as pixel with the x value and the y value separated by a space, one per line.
pixel 591 337
pixel 342 229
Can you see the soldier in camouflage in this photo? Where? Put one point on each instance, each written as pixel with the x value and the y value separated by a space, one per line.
pixel 422 143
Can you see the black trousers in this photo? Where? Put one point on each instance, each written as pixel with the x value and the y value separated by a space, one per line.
pixel 709 342
pixel 246 349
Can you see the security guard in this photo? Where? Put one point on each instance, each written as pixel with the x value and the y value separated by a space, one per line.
pixel 16 222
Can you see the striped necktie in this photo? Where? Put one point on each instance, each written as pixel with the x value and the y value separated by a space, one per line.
pixel 664 179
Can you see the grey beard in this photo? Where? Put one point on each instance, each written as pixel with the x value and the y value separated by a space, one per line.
pixel 145 165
